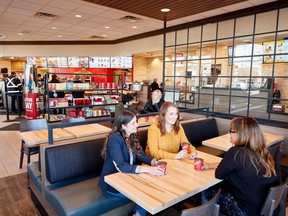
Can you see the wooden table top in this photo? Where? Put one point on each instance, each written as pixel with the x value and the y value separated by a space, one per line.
pixel 146 121
pixel 222 142
pixel 37 137
pixel 156 193
pixel 88 130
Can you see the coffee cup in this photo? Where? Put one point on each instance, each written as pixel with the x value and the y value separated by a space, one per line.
pixel 198 163
pixel 162 165
pixel 185 146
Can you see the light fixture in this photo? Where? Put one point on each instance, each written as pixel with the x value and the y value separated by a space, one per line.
pixel 54 28
pixel 20 33
pixel 78 15
pixel 107 27
pixel 165 10
pixel 60 36
pixel 104 35
pixel 134 27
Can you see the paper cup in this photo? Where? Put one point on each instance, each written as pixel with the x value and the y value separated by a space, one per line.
pixel 198 163
pixel 162 165
pixel 185 146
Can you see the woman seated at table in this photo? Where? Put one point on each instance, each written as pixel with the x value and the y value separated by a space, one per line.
pixel 125 104
pixel 154 104
pixel 166 135
pixel 121 151
pixel 247 168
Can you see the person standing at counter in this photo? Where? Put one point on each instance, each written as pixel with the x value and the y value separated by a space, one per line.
pixel 154 85
pixel 121 151
pixel 14 88
pixel 166 135
pixel 154 104
pixel 247 168
pixel 125 104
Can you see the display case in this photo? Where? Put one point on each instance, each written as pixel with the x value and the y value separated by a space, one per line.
pixel 75 98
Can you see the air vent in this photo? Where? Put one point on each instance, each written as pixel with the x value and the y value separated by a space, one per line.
pixel 96 37
pixel 45 15
pixel 130 19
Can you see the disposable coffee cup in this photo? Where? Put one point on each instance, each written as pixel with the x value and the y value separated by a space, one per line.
pixel 162 165
pixel 198 163
pixel 185 146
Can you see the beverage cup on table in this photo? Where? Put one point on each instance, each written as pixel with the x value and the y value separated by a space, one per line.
pixel 198 163
pixel 146 118
pixel 185 146
pixel 162 165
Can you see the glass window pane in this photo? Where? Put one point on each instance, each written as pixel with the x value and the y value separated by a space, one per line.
pixel 182 36
pixel 225 29
pixel 223 67
pixel 194 51
pixel 169 53
pixel 221 104
pixel 283 17
pixel 266 22
pixel 209 32
pixel 222 48
pixel 205 100
pixel 244 25
pixel 208 50
pixel 193 66
pixel 257 64
pixel 169 69
pixel 258 108
pixel 281 70
pixel 170 39
pixel 195 34
pixel 239 105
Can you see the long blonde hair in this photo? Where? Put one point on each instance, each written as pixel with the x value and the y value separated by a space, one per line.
pixel 251 139
pixel 162 121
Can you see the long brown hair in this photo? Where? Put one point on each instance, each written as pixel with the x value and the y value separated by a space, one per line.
pixel 162 121
pixel 252 139
pixel 132 141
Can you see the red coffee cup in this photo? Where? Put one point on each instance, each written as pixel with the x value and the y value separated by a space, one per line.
pixel 198 163
pixel 185 146
pixel 146 118
pixel 162 165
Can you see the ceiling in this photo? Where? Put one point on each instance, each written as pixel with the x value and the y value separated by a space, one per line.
pixel 102 20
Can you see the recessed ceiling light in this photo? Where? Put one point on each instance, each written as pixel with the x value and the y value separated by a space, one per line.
pixel 20 33
pixel 60 36
pixel 165 10
pixel 134 27
pixel 107 27
pixel 2 36
pixel 104 35
pixel 78 15
pixel 54 28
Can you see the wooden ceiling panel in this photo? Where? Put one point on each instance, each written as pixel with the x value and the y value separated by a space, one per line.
pixel 179 8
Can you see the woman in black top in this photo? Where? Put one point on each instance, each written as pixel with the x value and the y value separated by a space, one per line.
pixel 247 168
pixel 154 104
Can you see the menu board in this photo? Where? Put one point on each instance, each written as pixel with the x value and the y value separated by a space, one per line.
pixel 57 61
pixel 281 48
pixel 38 61
pixel 78 62
pixel 99 62
pixel 121 62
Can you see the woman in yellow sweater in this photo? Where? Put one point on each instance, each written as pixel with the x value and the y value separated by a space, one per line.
pixel 166 135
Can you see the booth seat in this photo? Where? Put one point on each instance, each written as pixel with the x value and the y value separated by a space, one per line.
pixel 68 182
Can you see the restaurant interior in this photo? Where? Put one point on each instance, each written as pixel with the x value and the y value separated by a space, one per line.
pixel 216 61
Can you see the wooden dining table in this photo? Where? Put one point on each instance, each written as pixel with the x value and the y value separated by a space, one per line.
pixel 222 142
pixel 146 121
pixel 88 130
pixel 33 138
pixel 156 193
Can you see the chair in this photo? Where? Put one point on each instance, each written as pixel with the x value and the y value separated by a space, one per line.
pixel 30 125
pixel 276 196
pixel 210 208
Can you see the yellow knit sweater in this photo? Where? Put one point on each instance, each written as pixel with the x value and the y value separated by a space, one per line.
pixel 166 146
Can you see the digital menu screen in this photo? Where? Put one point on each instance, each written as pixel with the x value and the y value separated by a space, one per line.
pixel 121 62
pixel 38 61
pixel 78 62
pixel 281 48
pixel 57 61
pixel 99 62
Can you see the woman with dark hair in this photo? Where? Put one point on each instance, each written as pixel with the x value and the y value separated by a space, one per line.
pixel 121 152
pixel 166 135
pixel 247 168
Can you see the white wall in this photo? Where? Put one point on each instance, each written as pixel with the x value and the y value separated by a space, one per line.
pixel 127 48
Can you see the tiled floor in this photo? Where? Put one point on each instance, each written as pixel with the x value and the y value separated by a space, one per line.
pixel 10 150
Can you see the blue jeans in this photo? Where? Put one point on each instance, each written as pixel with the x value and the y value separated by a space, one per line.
pixel 226 201
pixel 137 209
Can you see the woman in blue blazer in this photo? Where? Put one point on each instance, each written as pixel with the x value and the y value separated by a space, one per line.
pixel 122 153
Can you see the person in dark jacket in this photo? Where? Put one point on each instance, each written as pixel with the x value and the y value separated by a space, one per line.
pixel 154 85
pixel 125 104
pixel 79 93
pixel 14 88
pixel 122 151
pixel 154 104
pixel 247 168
